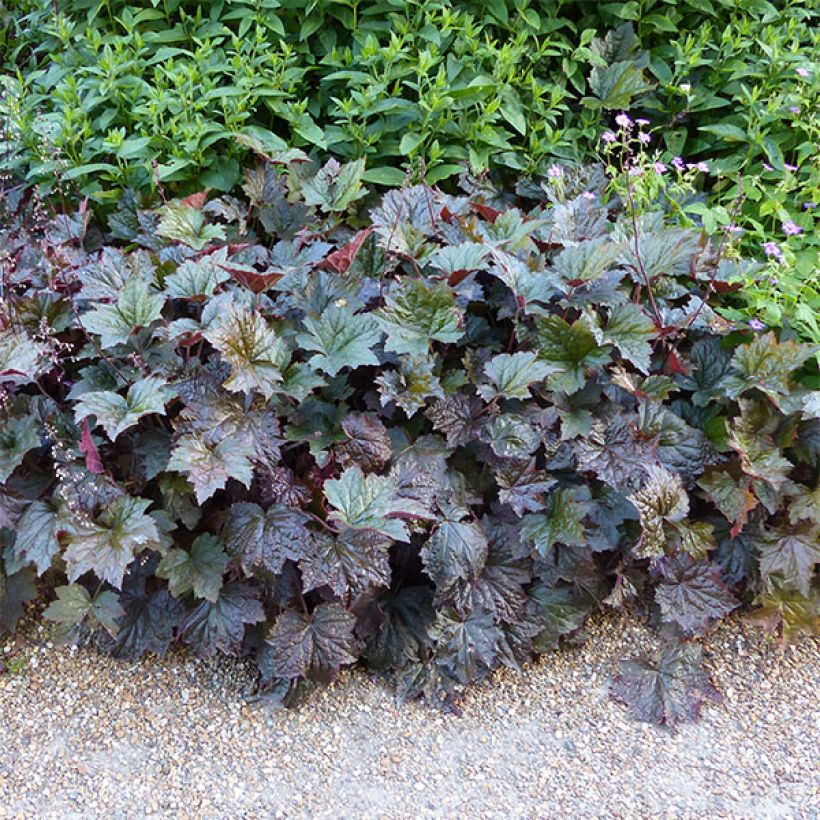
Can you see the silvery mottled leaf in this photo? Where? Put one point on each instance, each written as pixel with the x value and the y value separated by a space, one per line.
pixel 21 358
pixel 416 314
pixel 458 417
pixel 512 436
pixel 615 453
pixel 510 375
pixel 335 186
pixel 256 356
pixel 411 386
pixel 209 466
pixel 341 339
pixel 35 538
pixel 197 278
pixel 522 486
pixel 116 413
pixel 136 306
pixel 182 223
pixel 365 502
pixel 107 544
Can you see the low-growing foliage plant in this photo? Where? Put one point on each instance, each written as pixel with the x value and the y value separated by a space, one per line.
pixel 427 432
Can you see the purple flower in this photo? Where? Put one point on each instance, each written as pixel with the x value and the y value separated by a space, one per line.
pixel 791 228
pixel 788 167
pixel 660 168
pixel 644 138
pixel 678 163
pixel 555 172
pixel 609 137
pixel 588 195
pixel 642 122
pixel 623 120
pixel 698 166
pixel 756 324
pixel 636 171
pixel 808 206
pixel 794 109
pixel 734 229
pixel 802 72
pixel 767 167
pixel 773 249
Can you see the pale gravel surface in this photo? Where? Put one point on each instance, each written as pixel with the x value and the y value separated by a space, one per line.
pixel 85 736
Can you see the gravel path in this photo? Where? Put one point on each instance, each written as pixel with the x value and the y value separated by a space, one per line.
pixel 82 735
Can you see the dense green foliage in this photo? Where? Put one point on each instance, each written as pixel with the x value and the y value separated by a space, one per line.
pixel 428 432
pixel 111 95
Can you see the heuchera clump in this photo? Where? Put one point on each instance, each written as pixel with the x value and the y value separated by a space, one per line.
pixel 427 432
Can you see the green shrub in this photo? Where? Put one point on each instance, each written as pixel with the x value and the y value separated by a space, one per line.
pixel 430 433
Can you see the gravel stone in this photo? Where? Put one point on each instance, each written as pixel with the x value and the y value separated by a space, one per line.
pixel 82 735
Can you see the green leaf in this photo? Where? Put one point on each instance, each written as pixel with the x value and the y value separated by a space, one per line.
pixel 512 436
pixel 265 539
pixel 137 306
pixel 209 465
pixel 630 330
pixel 17 437
pixel 196 278
pixel 416 314
pixel 256 356
pixel 767 365
pixel 342 339
pixel 115 413
pixel 455 550
pixel 561 611
pixel 561 524
pixel 314 645
pixel 365 502
pixel 335 187
pixel 510 375
pixel 107 544
pixel 199 571
pixel 182 223
pixel 74 604
pixel 586 261
pixel 35 538
pixel 460 258
pixel 412 385
pixel 22 359
pixel 570 349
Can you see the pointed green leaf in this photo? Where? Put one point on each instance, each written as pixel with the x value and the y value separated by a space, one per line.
pixel 199 571
pixel 342 339
pixel 115 413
